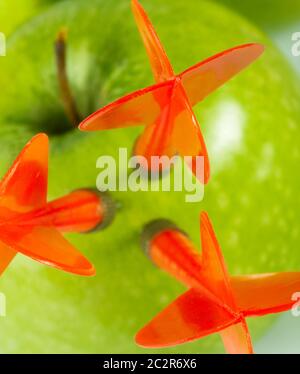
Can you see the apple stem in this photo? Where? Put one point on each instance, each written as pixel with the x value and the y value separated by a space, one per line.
pixel 66 93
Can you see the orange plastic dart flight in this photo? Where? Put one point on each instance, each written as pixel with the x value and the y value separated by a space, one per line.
pixel 166 107
pixel 215 302
pixel 31 226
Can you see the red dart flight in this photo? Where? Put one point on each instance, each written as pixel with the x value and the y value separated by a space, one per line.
pixel 215 302
pixel 166 107
pixel 31 226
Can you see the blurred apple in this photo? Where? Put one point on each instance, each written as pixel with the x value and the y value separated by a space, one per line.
pixel 279 19
pixel 15 12
pixel 252 130
pixel 270 15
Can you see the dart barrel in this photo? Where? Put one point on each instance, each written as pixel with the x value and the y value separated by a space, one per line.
pixel 171 250
pixel 83 211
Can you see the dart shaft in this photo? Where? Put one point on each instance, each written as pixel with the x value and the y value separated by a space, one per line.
pixel 161 66
pixel 79 211
pixel 172 251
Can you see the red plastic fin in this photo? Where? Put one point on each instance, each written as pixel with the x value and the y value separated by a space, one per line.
pixel 79 211
pixel 257 295
pixel 176 130
pixel 24 187
pixel 202 79
pixel 189 317
pixel 237 339
pixel 161 67
pixel 48 246
pixel 156 138
pixel 6 256
pixel 187 138
pixel 142 107
pixel 214 271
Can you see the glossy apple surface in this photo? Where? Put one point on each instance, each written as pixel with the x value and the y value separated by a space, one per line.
pixel 252 129
pixel 271 15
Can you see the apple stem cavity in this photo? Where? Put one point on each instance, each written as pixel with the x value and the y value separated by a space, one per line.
pixel 68 100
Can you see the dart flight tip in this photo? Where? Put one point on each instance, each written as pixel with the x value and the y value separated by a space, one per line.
pixel 204 218
pixel 146 339
pixel 260 48
pixel 87 123
pixel 85 269
pixel 40 136
pixel 81 267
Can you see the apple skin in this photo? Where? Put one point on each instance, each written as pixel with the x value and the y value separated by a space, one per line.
pixel 275 14
pixel 279 19
pixel 251 126
pixel 15 12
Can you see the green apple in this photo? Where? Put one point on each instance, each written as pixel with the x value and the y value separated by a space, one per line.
pixel 15 12
pixel 270 15
pixel 251 126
